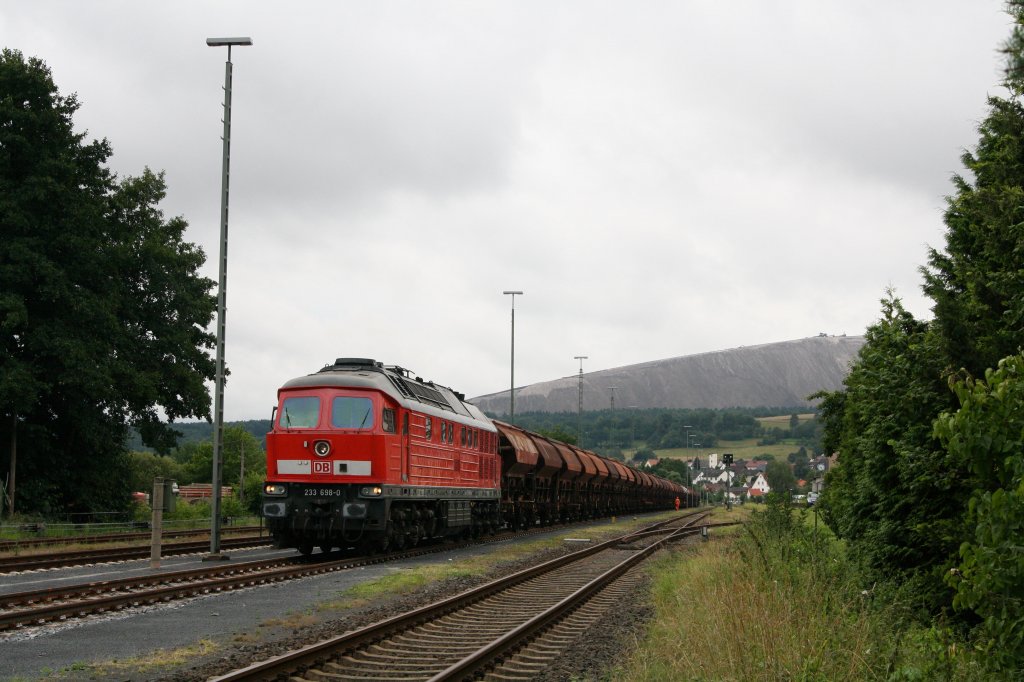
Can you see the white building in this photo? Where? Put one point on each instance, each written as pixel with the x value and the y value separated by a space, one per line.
pixel 759 482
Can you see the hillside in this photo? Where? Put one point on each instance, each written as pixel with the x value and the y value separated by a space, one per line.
pixel 775 374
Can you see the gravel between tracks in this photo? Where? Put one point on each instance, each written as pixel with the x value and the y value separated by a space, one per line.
pixel 590 659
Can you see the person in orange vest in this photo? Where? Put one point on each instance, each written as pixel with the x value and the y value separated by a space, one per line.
pixel 677 503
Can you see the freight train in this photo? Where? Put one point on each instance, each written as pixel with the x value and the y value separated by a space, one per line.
pixel 363 454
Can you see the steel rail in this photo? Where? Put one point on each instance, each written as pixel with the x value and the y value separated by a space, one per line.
pixel 88 556
pixel 484 657
pixel 128 536
pixel 43 609
pixel 315 653
pixel 90 589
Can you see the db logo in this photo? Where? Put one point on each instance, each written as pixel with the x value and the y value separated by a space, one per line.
pixel 321 467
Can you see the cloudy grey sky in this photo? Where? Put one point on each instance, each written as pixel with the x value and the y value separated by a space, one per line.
pixel 659 178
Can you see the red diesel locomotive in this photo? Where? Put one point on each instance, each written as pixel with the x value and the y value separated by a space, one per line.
pixel 365 454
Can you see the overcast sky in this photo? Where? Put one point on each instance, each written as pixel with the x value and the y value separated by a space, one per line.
pixel 660 178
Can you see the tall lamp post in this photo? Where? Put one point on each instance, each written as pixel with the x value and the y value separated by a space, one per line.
pixel 704 487
pixel 579 413
pixel 512 388
pixel 218 400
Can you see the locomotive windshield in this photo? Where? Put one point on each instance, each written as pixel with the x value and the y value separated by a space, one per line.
pixel 351 413
pixel 300 413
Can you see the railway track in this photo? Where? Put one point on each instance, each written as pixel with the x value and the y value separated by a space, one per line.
pixel 29 543
pixel 22 609
pixel 31 562
pixel 509 629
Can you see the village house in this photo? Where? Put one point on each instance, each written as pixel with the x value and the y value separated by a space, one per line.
pixel 759 483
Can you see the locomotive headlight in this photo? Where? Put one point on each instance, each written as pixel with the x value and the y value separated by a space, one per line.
pixel 371 491
pixel 274 489
pixel 322 448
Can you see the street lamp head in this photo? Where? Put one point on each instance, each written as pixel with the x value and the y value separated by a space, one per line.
pixel 514 293
pixel 221 42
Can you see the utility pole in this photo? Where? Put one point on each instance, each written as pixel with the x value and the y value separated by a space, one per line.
pixel 579 413
pixel 512 388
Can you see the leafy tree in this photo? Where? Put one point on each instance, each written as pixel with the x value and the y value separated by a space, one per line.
pixel 988 432
pixel 644 454
pixel 779 476
pixel 102 310
pixel 678 467
pixel 198 457
pixel 800 462
pixel 146 466
pixel 897 497
pixel 559 433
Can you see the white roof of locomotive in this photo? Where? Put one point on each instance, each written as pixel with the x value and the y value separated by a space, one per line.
pixel 414 394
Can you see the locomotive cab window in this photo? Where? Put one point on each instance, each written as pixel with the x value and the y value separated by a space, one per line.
pixel 387 419
pixel 348 412
pixel 302 412
pixel 427 428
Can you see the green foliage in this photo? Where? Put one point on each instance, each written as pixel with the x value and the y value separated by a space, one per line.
pixel 988 433
pixel 102 310
pixel 644 454
pixel 197 458
pixel 779 476
pixel 673 469
pixel 896 496
pixel 146 466
pixel 665 429
pixel 199 431
pixel 976 282
pixel 916 493
pixel 559 433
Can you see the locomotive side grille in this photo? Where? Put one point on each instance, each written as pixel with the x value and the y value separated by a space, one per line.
pixel 399 385
pixel 421 392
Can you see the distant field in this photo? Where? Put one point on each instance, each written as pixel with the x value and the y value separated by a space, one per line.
pixel 782 421
pixel 742 449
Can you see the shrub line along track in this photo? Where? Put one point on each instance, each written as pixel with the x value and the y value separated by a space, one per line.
pixel 481 629
pixel 40 606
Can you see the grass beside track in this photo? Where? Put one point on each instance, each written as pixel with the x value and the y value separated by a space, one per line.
pixel 759 604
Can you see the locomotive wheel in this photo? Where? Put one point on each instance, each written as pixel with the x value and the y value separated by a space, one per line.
pixel 378 545
pixel 306 547
pixel 325 548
